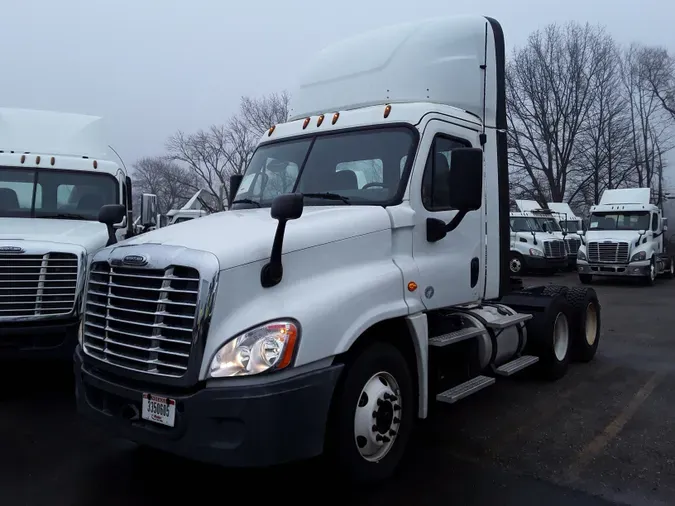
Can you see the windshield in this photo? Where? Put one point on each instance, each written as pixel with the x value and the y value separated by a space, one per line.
pixel 571 226
pixel 636 220
pixel 48 193
pixel 531 224
pixel 359 167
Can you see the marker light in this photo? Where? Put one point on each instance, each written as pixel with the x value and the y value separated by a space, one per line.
pixel 387 111
pixel 271 131
pixel 23 158
pixel 335 117
pixel 305 123
pixel 52 161
pixel 95 164
pixel 37 160
pixel 320 120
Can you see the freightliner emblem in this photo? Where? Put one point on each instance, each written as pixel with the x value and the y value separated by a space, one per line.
pixel 135 260
pixel 12 249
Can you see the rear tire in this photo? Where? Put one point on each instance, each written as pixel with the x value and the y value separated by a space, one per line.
pixel 585 323
pixel 549 338
pixel 586 279
pixel 670 270
pixel 364 412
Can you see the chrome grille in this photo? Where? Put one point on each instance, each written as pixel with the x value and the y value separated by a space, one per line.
pixel 572 246
pixel 554 249
pixel 141 319
pixel 612 252
pixel 37 285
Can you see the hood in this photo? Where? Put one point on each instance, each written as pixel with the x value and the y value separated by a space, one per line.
pixel 612 235
pixel 245 236
pixel 91 235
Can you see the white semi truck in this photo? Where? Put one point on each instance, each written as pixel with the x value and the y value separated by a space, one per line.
pixel 56 171
pixel 571 224
pixel 326 314
pixel 625 237
pixel 537 241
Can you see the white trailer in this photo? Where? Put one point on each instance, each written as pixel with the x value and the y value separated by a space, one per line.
pixel 58 178
pixel 368 281
pixel 625 237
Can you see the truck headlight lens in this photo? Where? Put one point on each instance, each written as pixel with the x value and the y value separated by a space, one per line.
pixel 268 347
pixel 581 255
pixel 639 256
pixel 536 253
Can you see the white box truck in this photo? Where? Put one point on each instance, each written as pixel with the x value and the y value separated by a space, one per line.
pixel 323 313
pixel 56 173
pixel 625 237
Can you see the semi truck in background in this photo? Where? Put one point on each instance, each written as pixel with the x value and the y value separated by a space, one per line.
pixel 56 172
pixel 571 225
pixel 626 237
pixel 338 309
pixel 537 241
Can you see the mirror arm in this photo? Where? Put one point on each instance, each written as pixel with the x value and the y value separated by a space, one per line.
pixel 112 238
pixel 455 221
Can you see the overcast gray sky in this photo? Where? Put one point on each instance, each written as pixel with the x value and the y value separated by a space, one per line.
pixel 152 67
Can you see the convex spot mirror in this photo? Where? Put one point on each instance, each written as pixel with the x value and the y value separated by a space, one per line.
pixel 465 179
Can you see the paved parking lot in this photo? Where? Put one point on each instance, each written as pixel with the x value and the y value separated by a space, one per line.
pixel 604 434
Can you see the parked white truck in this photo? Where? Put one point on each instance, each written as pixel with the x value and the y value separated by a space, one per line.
pixel 537 242
pixel 56 171
pixel 326 314
pixel 625 237
pixel 571 224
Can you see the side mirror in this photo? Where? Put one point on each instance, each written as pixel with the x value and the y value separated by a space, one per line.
pixel 109 215
pixel 664 223
pixel 148 210
pixel 642 232
pixel 284 207
pixel 466 179
pixel 581 232
pixel 287 207
pixel 235 183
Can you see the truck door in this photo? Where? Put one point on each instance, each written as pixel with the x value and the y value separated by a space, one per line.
pixel 451 269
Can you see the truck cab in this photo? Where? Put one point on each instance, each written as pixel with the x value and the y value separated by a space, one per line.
pixel 360 275
pixel 537 241
pixel 56 173
pixel 572 225
pixel 625 238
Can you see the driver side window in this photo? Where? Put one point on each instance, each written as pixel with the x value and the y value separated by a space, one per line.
pixel 655 222
pixel 435 189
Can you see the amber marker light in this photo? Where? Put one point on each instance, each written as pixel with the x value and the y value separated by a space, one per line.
pixel 387 111
pixel 52 161
pixel 37 160
pixel 305 123
pixel 320 120
pixel 336 116
pixel 412 286
pixel 271 131
pixel 95 164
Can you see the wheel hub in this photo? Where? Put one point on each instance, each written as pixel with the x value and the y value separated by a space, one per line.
pixel 378 416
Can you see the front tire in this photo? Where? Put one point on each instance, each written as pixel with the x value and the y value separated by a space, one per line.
pixel 516 264
pixel 372 415
pixel 650 278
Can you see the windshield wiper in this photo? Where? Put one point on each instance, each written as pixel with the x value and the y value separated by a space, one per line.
pixel 64 216
pixel 246 201
pixel 327 196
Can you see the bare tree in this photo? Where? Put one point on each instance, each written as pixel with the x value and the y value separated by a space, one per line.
pixel 551 88
pixel 659 66
pixel 650 129
pixel 215 154
pixel 172 184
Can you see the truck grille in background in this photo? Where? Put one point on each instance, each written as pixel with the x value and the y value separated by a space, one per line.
pixel 613 252
pixel 37 285
pixel 141 319
pixel 554 249
pixel 573 246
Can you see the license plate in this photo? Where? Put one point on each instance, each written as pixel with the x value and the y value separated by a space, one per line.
pixel 159 410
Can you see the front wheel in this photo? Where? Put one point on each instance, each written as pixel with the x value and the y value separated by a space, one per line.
pixel 372 415
pixel 516 264
pixel 650 278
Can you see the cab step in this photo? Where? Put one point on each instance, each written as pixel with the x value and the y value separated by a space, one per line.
pixel 456 336
pixel 516 365
pixel 465 389
pixel 507 321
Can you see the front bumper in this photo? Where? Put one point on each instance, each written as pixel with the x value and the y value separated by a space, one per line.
pixel 633 269
pixel 239 426
pixel 544 263
pixel 53 340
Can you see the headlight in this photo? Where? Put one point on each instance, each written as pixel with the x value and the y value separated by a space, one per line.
pixel 265 348
pixel 581 255
pixel 536 252
pixel 640 255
